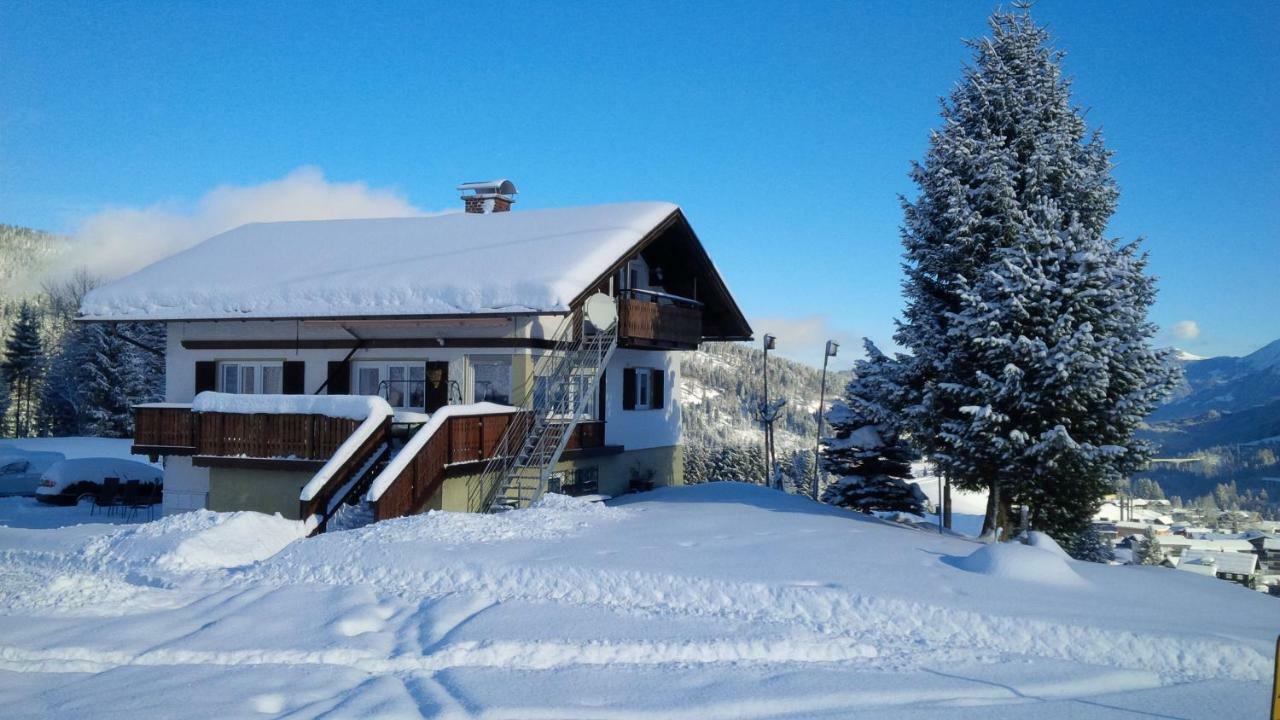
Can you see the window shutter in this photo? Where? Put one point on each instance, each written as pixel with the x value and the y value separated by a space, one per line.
pixel 295 377
pixel 602 408
pixel 629 389
pixel 658 389
pixel 339 378
pixel 206 376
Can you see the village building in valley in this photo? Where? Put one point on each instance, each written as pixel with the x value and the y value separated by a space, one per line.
pixel 344 371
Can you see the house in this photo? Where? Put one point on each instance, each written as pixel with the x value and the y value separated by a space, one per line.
pixel 1233 566
pixel 465 361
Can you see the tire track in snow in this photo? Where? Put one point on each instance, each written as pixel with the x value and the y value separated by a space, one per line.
pixel 887 624
pixel 509 655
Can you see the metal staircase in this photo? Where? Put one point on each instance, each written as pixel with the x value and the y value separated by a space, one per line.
pixel 563 380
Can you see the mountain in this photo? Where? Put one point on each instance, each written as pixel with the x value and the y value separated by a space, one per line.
pixel 1225 384
pixel 25 255
pixel 1224 401
pixel 722 385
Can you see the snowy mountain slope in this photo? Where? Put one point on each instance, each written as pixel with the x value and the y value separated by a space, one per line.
pixel 25 255
pixel 716 601
pixel 1224 401
pixel 722 385
pixel 1226 384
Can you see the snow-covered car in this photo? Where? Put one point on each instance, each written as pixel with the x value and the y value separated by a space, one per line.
pixel 66 481
pixel 20 470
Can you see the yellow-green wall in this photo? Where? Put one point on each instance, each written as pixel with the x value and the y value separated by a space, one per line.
pixel 463 493
pixel 265 491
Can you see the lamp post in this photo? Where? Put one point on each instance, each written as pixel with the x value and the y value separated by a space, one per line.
pixel 830 352
pixel 769 343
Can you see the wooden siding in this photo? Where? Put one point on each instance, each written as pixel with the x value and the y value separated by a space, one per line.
pixel 179 431
pixel 646 324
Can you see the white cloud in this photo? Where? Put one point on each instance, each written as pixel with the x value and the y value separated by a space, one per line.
pixel 805 338
pixel 1185 330
pixel 118 241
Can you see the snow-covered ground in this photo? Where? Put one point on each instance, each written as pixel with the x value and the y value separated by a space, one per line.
pixel 713 601
pixel 77 447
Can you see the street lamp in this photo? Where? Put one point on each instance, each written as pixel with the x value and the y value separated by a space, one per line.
pixel 769 342
pixel 830 352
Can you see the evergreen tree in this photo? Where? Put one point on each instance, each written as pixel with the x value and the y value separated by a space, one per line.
pixel 22 367
pixel 1148 551
pixel 866 451
pixel 111 384
pixel 4 404
pixel 1031 363
pixel 1089 546
pixel 62 411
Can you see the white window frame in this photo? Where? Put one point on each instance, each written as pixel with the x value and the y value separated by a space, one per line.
pixel 256 368
pixel 510 361
pixel 384 376
pixel 644 388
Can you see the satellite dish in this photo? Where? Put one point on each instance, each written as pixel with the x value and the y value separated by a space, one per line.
pixel 600 310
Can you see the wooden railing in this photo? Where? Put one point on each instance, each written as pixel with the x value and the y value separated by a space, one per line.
pixel 659 323
pixel 179 431
pixel 320 504
pixel 168 428
pixel 464 438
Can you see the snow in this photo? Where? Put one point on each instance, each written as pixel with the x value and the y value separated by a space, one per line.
pixel 370 425
pixel 712 601
pixel 200 540
pixel 76 447
pixel 457 263
pixel 1042 541
pixel 351 407
pixel 419 440
pixel 93 469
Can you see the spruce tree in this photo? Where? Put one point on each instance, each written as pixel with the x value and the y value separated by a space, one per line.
pixel 1148 550
pixel 1089 546
pixel 866 451
pixel 4 405
pixel 111 383
pixel 1031 363
pixel 22 367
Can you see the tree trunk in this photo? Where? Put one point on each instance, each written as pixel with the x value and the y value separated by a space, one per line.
pixel 946 503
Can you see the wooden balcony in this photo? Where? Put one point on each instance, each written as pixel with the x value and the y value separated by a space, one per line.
pixel 164 429
pixel 659 322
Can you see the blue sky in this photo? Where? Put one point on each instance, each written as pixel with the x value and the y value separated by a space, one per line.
pixel 785 130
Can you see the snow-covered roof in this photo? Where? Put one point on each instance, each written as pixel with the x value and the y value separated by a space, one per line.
pixel 1223 562
pixel 457 263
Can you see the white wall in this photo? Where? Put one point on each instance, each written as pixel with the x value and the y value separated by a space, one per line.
pixel 639 429
pixel 186 487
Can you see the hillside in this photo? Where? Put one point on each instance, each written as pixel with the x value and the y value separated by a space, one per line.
pixel 722 385
pixel 25 255
pixel 714 601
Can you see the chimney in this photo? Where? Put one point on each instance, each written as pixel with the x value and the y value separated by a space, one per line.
pixel 491 196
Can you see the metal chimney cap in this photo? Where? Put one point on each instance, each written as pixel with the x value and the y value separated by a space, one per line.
pixel 490 187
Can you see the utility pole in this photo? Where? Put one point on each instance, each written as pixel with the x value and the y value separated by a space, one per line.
pixel 767 415
pixel 830 352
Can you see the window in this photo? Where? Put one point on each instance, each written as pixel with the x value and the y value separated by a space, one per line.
pixel 402 383
pixel 643 388
pixel 644 383
pixel 252 378
pixel 491 377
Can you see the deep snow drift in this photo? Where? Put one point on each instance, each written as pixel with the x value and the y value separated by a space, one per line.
pixel 716 601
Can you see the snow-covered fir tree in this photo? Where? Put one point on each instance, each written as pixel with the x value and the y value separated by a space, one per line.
pixel 4 405
pixel 865 450
pixel 1089 546
pixel 22 367
pixel 62 410
pixel 1147 550
pixel 1031 364
pixel 115 379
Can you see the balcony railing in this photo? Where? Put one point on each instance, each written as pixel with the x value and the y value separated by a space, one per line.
pixel 176 430
pixel 657 320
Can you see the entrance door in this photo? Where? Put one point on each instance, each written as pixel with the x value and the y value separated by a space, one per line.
pixel 437 385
